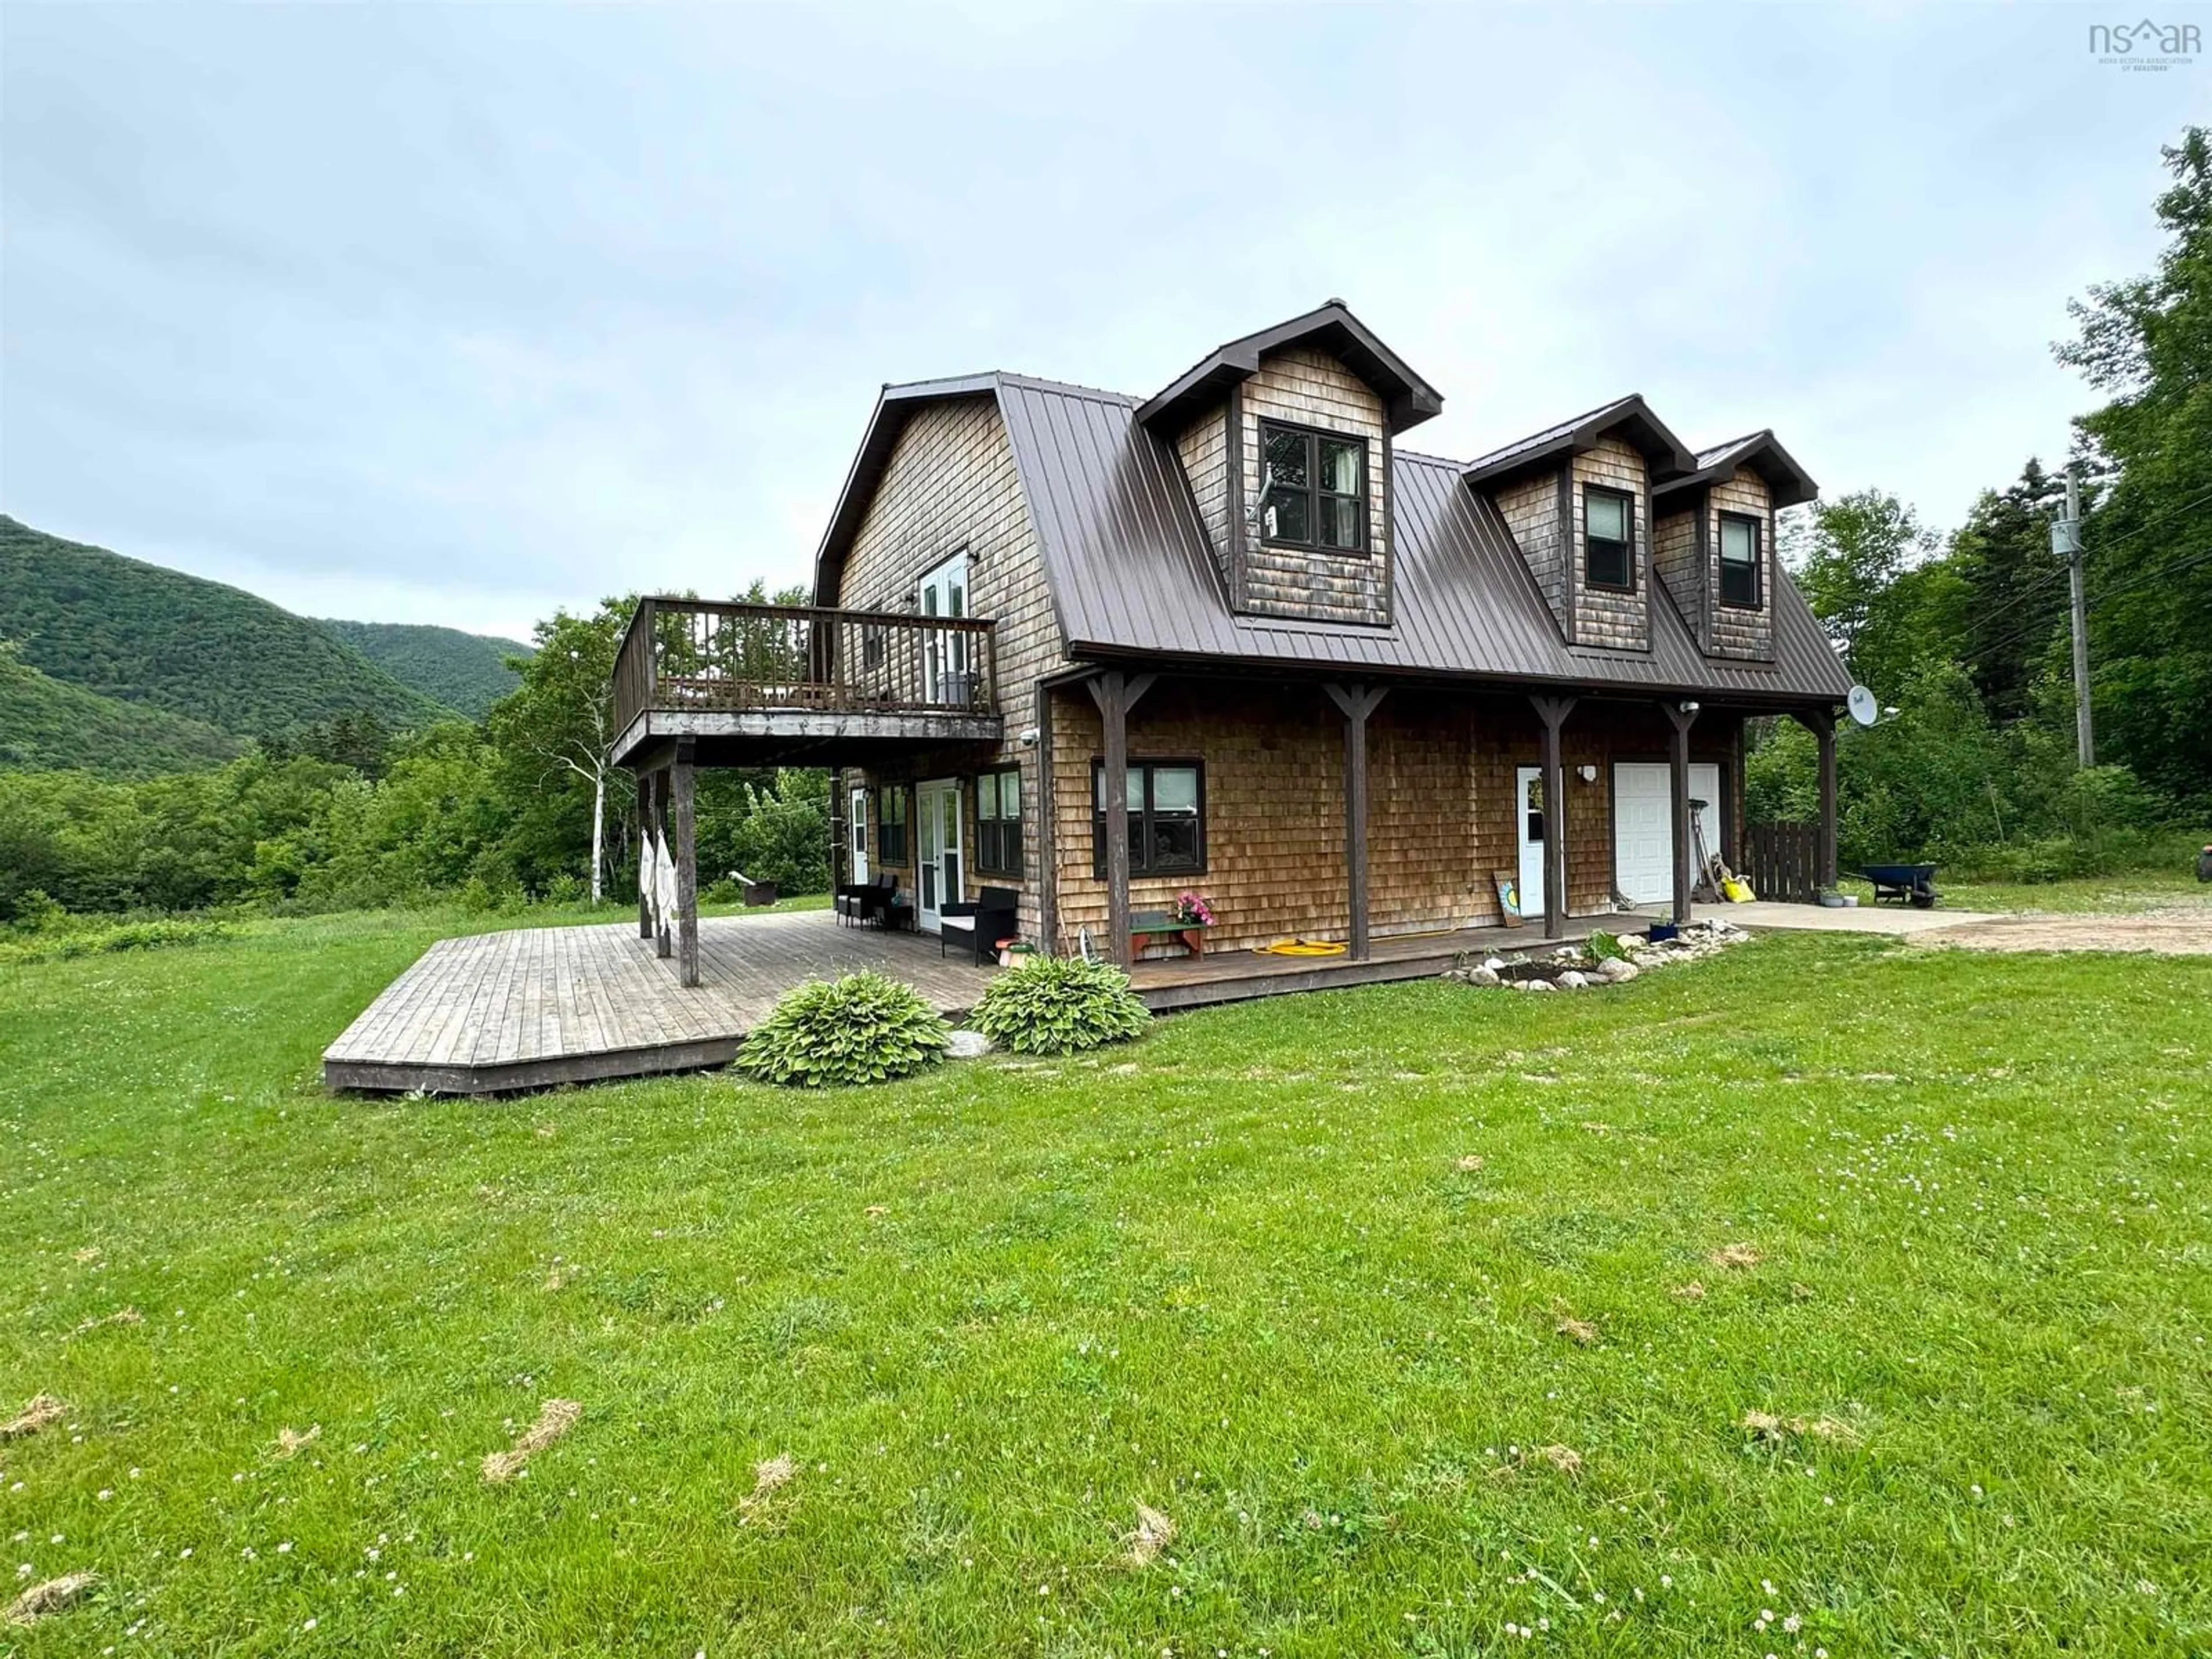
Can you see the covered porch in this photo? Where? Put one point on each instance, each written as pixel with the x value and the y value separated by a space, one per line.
pixel 1377 806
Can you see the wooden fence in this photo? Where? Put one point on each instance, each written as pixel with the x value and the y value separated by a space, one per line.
pixel 1782 862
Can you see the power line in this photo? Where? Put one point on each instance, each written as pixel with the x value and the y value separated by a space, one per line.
pixel 2142 580
pixel 2050 579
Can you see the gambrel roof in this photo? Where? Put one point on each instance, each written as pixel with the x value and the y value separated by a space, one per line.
pixel 1133 574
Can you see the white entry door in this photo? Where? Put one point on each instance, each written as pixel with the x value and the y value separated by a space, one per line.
pixel 1529 817
pixel 1643 825
pixel 938 861
pixel 856 831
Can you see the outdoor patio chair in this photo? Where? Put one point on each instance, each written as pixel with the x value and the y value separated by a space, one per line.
pixel 864 900
pixel 983 923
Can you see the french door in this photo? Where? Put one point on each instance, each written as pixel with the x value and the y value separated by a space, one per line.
pixel 857 830
pixel 937 862
pixel 946 675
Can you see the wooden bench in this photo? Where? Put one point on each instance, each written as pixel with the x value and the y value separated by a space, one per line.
pixel 1162 927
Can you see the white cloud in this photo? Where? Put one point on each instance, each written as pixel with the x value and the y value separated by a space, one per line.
pixel 458 314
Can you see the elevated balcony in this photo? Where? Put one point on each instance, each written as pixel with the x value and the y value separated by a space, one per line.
pixel 777 684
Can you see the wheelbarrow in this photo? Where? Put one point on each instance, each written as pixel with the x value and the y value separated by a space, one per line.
pixel 1915 883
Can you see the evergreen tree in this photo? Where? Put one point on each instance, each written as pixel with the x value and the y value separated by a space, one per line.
pixel 2148 342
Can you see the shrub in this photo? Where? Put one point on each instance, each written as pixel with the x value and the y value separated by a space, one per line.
pixel 157 934
pixel 864 1028
pixel 1059 1005
pixel 565 888
pixel 1604 946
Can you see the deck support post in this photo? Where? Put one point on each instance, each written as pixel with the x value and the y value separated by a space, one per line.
pixel 1681 716
pixel 1356 703
pixel 1821 723
pixel 682 778
pixel 663 936
pixel 1553 711
pixel 644 839
pixel 1116 694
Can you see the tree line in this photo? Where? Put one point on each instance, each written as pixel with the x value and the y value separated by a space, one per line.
pixel 1965 639
pixel 349 813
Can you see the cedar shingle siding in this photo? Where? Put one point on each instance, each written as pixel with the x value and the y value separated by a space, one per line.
pixel 1310 388
pixel 951 484
pixel 1735 631
pixel 1441 767
pixel 1531 512
pixel 1602 615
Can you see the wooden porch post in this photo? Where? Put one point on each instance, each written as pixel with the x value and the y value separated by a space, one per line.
pixel 1681 716
pixel 1821 722
pixel 1047 828
pixel 1116 694
pixel 1553 711
pixel 1355 703
pixel 644 833
pixel 681 779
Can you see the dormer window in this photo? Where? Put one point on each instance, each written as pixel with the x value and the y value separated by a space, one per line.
pixel 1740 560
pixel 1609 538
pixel 1317 489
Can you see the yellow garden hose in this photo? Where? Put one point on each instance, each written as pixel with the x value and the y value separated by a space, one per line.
pixel 1297 947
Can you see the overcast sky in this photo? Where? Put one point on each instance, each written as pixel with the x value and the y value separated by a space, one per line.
pixel 456 314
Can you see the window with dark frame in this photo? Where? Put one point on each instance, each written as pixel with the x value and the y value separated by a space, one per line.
pixel 1316 488
pixel 890 825
pixel 1167 817
pixel 1609 538
pixel 999 822
pixel 1739 560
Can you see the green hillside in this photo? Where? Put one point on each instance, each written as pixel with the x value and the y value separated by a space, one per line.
pixel 140 634
pixel 467 671
pixel 46 725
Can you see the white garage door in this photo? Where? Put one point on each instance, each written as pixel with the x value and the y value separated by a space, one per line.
pixel 1643 825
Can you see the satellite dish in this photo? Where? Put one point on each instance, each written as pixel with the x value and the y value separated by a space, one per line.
pixel 1864 709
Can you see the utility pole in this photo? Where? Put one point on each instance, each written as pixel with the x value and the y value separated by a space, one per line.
pixel 2066 542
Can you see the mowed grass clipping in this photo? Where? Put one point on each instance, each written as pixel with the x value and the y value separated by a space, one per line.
pixel 1828 1295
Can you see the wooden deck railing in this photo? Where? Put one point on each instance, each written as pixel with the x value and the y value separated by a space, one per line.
pixel 680 654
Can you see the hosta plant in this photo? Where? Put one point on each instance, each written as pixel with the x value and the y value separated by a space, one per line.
pixel 864 1028
pixel 1059 1005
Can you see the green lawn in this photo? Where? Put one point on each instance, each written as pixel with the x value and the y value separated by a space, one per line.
pixel 1234 1272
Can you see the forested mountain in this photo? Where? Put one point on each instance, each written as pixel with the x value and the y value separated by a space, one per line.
pixel 47 725
pixel 467 671
pixel 139 634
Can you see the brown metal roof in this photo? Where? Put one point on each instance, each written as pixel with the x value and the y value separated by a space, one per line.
pixel 1407 399
pixel 1133 573
pixel 1667 454
pixel 1790 485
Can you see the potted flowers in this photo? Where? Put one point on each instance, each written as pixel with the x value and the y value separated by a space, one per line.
pixel 1192 914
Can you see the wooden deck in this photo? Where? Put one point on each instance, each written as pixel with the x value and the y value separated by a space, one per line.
pixel 1239 975
pixel 536 1007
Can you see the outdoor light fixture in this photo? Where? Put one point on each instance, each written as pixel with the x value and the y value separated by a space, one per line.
pixel 1689 708
pixel 1587 773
